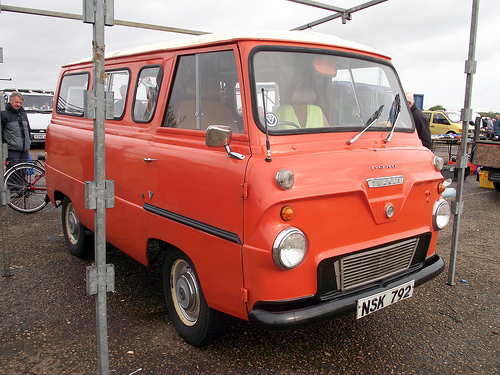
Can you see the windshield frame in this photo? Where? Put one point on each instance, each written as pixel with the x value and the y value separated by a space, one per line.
pixel 327 52
pixel 452 116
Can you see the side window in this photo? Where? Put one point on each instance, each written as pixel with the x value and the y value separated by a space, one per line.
pixel 146 93
pixel 205 92
pixel 118 82
pixel 71 90
pixel 440 119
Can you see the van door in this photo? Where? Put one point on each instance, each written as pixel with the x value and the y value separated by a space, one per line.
pixel 127 136
pixel 193 193
pixel 441 124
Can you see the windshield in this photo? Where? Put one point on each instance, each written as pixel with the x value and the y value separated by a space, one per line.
pixel 453 116
pixel 309 92
pixel 38 103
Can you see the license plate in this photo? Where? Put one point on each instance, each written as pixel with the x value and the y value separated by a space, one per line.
pixel 378 301
pixel 39 136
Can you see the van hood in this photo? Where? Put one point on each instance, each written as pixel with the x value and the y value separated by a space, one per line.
pixel 39 121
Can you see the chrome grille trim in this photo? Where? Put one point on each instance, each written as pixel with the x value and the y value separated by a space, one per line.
pixel 373 265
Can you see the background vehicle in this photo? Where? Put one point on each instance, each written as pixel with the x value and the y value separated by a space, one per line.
pixel 38 105
pixel 487 155
pixel 446 122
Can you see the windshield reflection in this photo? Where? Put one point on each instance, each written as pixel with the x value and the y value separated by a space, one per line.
pixel 310 92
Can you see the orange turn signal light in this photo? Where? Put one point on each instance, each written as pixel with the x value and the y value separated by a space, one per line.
pixel 287 213
pixel 441 188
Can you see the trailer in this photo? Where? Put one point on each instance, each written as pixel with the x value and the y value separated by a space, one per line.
pixel 487 155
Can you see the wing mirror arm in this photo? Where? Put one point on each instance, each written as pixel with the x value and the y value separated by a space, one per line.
pixel 220 136
pixel 233 154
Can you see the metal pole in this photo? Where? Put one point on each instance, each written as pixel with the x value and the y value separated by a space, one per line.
pixel 99 178
pixel 4 197
pixel 99 280
pixel 5 242
pixel 344 13
pixel 319 5
pixel 457 205
pixel 71 16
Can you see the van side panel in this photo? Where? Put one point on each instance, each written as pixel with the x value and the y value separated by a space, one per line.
pixel 194 201
pixel 70 163
pixel 124 165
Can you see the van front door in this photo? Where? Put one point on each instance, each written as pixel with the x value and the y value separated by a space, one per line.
pixel 194 193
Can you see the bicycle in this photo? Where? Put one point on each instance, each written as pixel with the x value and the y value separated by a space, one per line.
pixel 26 182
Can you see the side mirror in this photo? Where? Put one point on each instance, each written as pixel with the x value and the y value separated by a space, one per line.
pixel 220 136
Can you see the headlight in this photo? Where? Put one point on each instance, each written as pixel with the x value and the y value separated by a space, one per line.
pixel 285 179
pixel 441 214
pixel 438 163
pixel 289 248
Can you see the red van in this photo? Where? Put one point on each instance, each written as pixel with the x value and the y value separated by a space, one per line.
pixel 279 173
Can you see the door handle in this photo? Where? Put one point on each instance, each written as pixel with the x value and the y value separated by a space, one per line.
pixel 148 160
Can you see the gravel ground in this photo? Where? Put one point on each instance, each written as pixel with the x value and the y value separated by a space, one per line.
pixel 47 321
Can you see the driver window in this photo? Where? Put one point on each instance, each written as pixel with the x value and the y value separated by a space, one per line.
pixel 204 93
pixel 440 119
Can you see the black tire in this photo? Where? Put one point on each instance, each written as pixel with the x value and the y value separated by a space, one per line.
pixel 26 182
pixel 195 322
pixel 79 243
pixel 497 185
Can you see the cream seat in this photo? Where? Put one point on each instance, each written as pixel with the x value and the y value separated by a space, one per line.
pixel 214 112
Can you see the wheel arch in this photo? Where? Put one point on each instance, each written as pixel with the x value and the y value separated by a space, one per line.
pixel 57 197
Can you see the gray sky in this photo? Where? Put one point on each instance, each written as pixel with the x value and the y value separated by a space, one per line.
pixel 428 40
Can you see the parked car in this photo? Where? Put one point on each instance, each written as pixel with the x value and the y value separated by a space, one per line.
pixel 38 105
pixel 446 122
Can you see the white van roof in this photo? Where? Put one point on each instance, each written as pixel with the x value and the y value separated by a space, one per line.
pixel 287 36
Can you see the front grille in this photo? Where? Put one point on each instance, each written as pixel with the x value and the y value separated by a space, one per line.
pixel 372 265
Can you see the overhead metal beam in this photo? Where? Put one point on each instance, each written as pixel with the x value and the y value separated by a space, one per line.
pixel 78 17
pixel 318 22
pixel 320 5
pixel 344 13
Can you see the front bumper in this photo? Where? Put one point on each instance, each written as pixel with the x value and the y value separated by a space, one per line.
pixel 303 313
pixel 38 137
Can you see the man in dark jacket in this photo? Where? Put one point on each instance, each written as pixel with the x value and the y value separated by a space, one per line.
pixel 421 122
pixel 16 129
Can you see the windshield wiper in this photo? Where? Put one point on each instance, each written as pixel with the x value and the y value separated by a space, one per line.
pixel 369 123
pixel 393 116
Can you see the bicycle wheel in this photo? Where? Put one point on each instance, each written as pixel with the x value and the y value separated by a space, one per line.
pixel 26 183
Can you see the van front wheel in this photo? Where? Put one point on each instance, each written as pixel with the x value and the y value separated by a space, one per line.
pixel 192 318
pixel 79 244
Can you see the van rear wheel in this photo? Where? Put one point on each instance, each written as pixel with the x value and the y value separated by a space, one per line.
pixel 78 242
pixel 192 318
